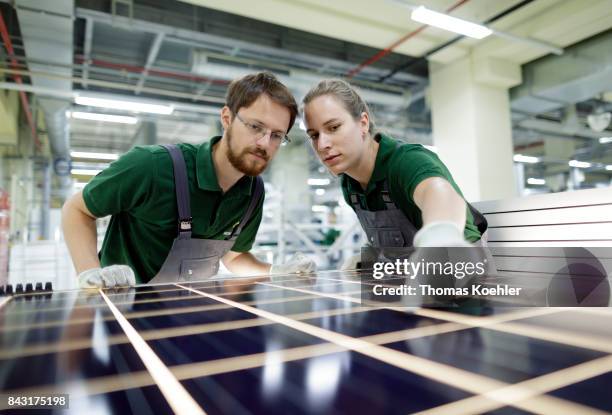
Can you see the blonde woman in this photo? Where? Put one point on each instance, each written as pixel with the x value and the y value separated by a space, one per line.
pixel 403 194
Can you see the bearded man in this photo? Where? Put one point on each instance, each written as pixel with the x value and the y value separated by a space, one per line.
pixel 177 210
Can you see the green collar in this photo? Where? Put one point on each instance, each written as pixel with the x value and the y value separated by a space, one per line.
pixel 207 176
pixel 381 165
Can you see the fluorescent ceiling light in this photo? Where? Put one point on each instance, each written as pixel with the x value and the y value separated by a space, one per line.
pixel 103 117
pixel 94 156
pixel 320 192
pixel 319 182
pixel 452 24
pixel 85 172
pixel 117 104
pixel 609 167
pixel 579 164
pixel 89 165
pixel 605 140
pixel 319 208
pixel 519 158
pixel 535 181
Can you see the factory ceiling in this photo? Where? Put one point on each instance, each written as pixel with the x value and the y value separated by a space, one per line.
pixel 186 52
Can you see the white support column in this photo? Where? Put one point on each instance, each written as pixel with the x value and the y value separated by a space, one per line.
pixel 289 174
pixel 519 177
pixel 472 126
pixel 557 176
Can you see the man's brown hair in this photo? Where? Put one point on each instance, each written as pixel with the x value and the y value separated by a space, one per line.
pixel 244 91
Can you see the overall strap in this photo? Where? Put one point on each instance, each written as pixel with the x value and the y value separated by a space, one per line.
pixel 386 197
pixel 181 190
pixel 255 197
pixel 354 201
pixel 354 198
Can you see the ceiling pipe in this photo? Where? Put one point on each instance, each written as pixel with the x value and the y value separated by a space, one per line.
pixel 532 42
pixel 49 92
pixel 141 69
pixel 197 39
pixel 109 84
pixel 454 40
pixel 395 44
pixel 298 83
pixel 182 77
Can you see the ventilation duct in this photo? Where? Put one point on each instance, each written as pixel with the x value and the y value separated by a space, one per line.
pixel 47 32
pixel 553 82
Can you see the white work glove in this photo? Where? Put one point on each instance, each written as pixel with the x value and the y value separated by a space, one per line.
pixel 299 263
pixel 107 277
pixel 441 233
pixel 444 243
pixel 350 264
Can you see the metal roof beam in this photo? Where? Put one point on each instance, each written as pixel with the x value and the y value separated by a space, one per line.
pixel 89 27
pixel 195 39
pixel 152 56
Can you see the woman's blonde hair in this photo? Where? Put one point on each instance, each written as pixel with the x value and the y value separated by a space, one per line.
pixel 345 94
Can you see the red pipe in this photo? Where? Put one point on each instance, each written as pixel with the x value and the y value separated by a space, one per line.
pixel 140 69
pixel 22 95
pixel 395 44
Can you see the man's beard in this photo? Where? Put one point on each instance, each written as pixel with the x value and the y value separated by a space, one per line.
pixel 242 162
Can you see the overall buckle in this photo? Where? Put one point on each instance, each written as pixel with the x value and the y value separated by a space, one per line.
pixel 185 224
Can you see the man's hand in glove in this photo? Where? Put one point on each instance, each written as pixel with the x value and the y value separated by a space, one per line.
pixel 442 243
pixel 351 263
pixel 107 277
pixel 299 263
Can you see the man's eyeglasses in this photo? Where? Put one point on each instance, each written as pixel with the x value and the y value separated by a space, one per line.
pixel 260 131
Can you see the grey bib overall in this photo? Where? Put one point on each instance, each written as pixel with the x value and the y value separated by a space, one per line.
pixel 195 258
pixel 391 228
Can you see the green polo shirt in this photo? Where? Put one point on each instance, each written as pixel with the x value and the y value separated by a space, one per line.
pixel 404 168
pixel 138 191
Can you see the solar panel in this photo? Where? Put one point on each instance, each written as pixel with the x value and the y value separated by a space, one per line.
pixel 298 344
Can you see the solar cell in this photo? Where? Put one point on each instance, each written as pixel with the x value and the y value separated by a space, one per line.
pixel 299 344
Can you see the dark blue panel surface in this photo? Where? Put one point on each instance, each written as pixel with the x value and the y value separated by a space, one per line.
pixel 76 365
pixel 305 306
pixel 506 357
pixel 36 304
pixel 278 293
pixel 223 344
pixel 200 301
pixel 188 319
pixel 508 410
pixel 15 339
pixel 335 383
pixel 47 317
pixel 347 383
pixel 146 400
pixel 593 392
pixel 155 295
pixel 371 322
